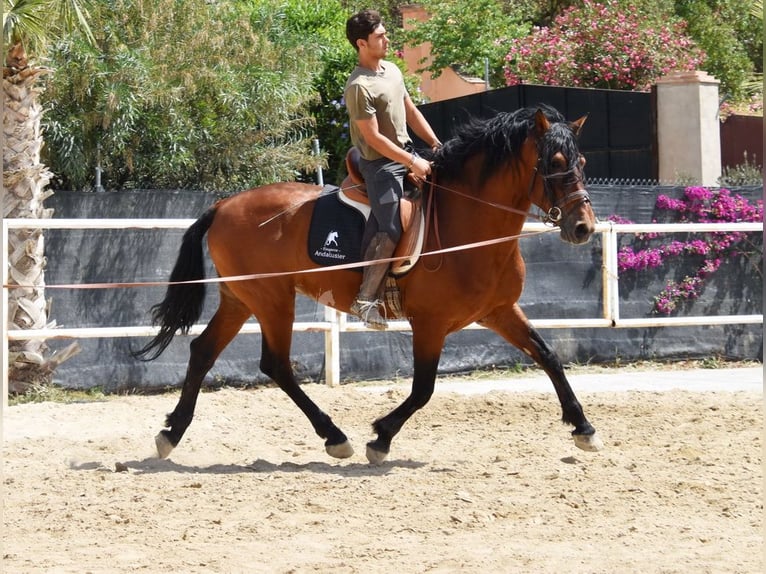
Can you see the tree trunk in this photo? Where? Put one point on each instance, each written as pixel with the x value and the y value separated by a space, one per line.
pixel 24 182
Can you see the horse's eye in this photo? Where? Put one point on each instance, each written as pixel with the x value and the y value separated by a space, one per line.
pixel 558 163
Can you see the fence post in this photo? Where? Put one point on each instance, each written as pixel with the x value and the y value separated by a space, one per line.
pixel 688 129
pixel 610 275
pixel 332 347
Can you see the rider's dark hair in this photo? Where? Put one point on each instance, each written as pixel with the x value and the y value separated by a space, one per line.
pixel 361 25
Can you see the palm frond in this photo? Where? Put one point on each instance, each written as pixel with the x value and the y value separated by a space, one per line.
pixel 36 22
pixel 756 9
pixel 24 20
pixel 73 14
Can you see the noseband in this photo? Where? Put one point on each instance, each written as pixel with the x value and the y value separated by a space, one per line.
pixel 556 213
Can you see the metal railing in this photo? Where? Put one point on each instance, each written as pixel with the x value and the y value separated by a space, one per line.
pixel 335 322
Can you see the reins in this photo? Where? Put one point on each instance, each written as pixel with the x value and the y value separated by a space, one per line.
pixel 552 217
pixel 429 216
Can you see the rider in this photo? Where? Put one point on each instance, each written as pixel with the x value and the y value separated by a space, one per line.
pixel 380 109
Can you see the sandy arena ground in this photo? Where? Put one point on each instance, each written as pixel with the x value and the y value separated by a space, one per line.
pixel 487 483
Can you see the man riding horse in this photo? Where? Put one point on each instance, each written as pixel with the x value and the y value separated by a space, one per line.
pixel 380 109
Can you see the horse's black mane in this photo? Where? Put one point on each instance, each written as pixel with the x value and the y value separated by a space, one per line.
pixel 498 138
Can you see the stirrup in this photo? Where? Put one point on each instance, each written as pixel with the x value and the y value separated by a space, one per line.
pixel 368 312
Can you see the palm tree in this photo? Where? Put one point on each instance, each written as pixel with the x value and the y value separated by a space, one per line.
pixel 28 26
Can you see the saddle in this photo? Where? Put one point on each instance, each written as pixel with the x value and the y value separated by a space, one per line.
pixel 353 192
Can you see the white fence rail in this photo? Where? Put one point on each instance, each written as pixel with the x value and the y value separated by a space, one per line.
pixel 335 322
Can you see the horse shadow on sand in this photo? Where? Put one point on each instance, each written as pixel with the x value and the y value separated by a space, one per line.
pixel 155 465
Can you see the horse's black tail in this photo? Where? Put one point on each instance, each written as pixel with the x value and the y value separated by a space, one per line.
pixel 182 305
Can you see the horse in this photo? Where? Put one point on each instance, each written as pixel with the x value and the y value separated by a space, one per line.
pixel 332 239
pixel 484 181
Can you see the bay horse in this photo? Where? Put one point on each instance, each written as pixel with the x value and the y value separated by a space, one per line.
pixel 483 183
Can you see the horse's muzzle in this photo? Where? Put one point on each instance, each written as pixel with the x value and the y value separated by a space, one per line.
pixel 578 223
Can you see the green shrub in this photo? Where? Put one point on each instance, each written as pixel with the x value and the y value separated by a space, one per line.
pixel 181 94
pixel 745 173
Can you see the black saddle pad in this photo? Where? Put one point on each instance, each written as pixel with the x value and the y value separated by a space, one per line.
pixel 335 234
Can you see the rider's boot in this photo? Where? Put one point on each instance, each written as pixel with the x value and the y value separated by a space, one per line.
pixel 366 306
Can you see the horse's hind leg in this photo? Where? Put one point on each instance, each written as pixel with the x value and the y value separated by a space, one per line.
pixel 275 363
pixel 426 352
pixel 221 329
pixel 512 324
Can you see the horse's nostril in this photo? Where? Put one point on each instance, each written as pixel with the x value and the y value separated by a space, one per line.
pixel 582 230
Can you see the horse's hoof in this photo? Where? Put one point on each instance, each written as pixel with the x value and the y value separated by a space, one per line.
pixel 342 450
pixel 589 442
pixel 376 457
pixel 164 446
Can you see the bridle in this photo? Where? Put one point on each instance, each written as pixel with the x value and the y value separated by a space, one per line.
pixel 554 215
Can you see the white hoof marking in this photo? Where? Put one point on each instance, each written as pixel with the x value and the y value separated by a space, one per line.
pixel 589 442
pixel 164 448
pixel 342 450
pixel 375 456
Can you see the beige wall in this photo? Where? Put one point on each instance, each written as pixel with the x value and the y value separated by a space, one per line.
pixel 449 84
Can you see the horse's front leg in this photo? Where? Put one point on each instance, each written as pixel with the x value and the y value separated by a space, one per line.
pixel 511 323
pixel 427 349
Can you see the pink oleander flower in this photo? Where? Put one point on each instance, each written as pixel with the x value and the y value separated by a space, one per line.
pixel 601 45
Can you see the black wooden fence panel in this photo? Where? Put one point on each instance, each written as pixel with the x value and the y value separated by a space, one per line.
pixel 618 139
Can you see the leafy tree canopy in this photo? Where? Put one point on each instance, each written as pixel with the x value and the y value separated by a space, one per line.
pixel 465 33
pixel 227 95
pixel 181 94
pixel 462 32
pixel 731 36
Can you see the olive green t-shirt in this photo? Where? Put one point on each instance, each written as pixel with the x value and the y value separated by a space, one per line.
pixel 380 94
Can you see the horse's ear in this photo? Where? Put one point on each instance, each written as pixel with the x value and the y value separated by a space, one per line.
pixel 541 123
pixel 577 124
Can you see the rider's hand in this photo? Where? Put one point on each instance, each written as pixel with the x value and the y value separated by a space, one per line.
pixel 420 168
